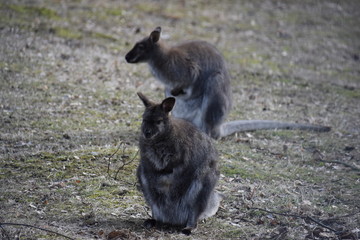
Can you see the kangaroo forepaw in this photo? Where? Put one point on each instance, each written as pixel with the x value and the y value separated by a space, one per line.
pixel 149 223
pixel 177 91
pixel 188 229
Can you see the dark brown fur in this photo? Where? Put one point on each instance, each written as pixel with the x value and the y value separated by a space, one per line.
pixel 178 168
pixel 195 73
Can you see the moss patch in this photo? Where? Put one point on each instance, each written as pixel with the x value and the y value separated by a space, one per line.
pixel 67 33
pixel 33 10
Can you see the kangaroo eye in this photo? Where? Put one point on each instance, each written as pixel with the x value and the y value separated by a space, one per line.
pixel 141 46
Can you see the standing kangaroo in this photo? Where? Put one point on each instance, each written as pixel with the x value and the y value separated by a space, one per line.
pixel 178 168
pixel 195 73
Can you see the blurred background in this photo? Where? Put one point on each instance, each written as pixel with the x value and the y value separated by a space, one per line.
pixel 70 116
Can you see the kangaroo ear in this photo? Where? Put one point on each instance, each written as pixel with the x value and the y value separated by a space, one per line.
pixel 155 35
pixel 168 104
pixel 144 99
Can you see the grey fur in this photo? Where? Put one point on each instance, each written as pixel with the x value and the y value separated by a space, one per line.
pixel 178 168
pixel 195 73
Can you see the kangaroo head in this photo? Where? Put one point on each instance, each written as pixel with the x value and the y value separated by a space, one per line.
pixel 156 121
pixel 142 50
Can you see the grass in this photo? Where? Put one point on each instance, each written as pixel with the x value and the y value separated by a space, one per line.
pixel 67 33
pixel 70 99
pixel 32 10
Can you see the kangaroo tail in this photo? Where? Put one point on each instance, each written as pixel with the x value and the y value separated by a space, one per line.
pixel 229 128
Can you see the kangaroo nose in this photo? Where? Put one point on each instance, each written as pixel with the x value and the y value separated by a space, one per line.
pixel 127 58
pixel 148 133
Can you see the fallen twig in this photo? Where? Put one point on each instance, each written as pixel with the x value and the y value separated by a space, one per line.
pixel 282 232
pixel 343 216
pixel 5 232
pixel 320 157
pixel 123 162
pixel 39 228
pixel 340 162
pixel 126 163
pixel 302 217
pixel 111 156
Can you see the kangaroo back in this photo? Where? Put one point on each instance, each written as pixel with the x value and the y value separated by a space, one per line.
pixel 195 73
pixel 178 168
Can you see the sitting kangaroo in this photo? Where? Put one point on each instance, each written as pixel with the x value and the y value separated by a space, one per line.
pixel 195 73
pixel 178 168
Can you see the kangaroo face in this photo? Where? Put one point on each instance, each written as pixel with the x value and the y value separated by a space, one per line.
pixel 142 50
pixel 156 120
pixel 152 125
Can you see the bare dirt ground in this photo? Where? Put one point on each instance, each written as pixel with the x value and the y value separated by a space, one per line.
pixel 70 116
